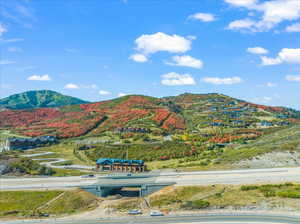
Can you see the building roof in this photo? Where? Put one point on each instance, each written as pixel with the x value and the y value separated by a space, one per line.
pixel 107 161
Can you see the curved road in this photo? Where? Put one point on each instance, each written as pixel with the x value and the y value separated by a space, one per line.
pixel 188 219
pixel 52 161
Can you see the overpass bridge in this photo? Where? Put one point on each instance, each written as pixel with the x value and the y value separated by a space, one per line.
pixel 109 185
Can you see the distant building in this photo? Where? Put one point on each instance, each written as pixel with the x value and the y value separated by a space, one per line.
pixel 217 124
pixel 266 124
pixel 120 165
pixel 30 143
pixel 133 130
pixel 238 122
pixel 86 147
pixel 282 116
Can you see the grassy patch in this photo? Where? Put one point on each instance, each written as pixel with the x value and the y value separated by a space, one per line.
pixel 64 163
pixel 27 203
pixel 200 197
pixel 125 205
pixel 67 172
pixel 283 140
pixel 66 150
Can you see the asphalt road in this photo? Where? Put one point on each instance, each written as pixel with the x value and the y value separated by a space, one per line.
pixel 232 177
pixel 201 219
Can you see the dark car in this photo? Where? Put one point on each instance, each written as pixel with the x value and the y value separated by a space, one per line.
pixel 88 176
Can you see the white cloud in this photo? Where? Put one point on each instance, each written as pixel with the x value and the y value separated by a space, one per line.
pixel 192 37
pixel 242 24
pixel 204 17
pixel 175 79
pixel 293 78
pixel 71 86
pixel 272 13
pixel 15 49
pixel 257 50
pixel 290 55
pixel 45 77
pixel 187 61
pixel 6 62
pixel 287 55
pixel 138 58
pixel 122 94
pixel 2 30
pixel 271 84
pixel 241 2
pixel 93 86
pixel 103 92
pixel 277 11
pixel 293 28
pixel 270 61
pixel 223 81
pixel 152 43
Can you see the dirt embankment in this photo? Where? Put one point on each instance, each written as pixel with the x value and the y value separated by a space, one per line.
pixel 272 160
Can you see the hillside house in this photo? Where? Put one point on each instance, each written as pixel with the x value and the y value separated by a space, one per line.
pixel 238 122
pixel 283 123
pixel 282 116
pixel 30 143
pixel 266 124
pixel 217 124
pixel 231 103
pixel 120 165
pixel 213 109
pixel 86 147
pixel 133 130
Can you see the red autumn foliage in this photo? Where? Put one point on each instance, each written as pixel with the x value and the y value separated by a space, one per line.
pixel 174 122
pixel 73 121
pixel 160 115
pixel 227 138
pixel 164 157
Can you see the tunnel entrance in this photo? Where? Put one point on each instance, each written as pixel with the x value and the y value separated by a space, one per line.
pixel 129 192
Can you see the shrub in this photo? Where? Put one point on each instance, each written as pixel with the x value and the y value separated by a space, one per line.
pixel 269 193
pixel 249 187
pixel 198 204
pixel 289 194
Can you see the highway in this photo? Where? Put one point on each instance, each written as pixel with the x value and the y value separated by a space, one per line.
pixel 232 177
pixel 183 219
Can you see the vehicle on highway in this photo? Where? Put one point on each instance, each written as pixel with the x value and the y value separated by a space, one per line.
pixel 88 176
pixel 134 212
pixel 156 213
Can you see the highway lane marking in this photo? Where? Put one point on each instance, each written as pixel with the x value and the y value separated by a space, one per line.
pixel 192 219
pixel 229 222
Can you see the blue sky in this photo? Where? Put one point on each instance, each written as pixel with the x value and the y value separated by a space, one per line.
pixel 101 49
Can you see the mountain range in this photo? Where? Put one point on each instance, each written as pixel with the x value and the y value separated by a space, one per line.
pixel 38 99
pixel 67 117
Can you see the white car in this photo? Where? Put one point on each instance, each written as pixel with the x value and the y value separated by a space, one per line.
pixel 134 212
pixel 156 213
